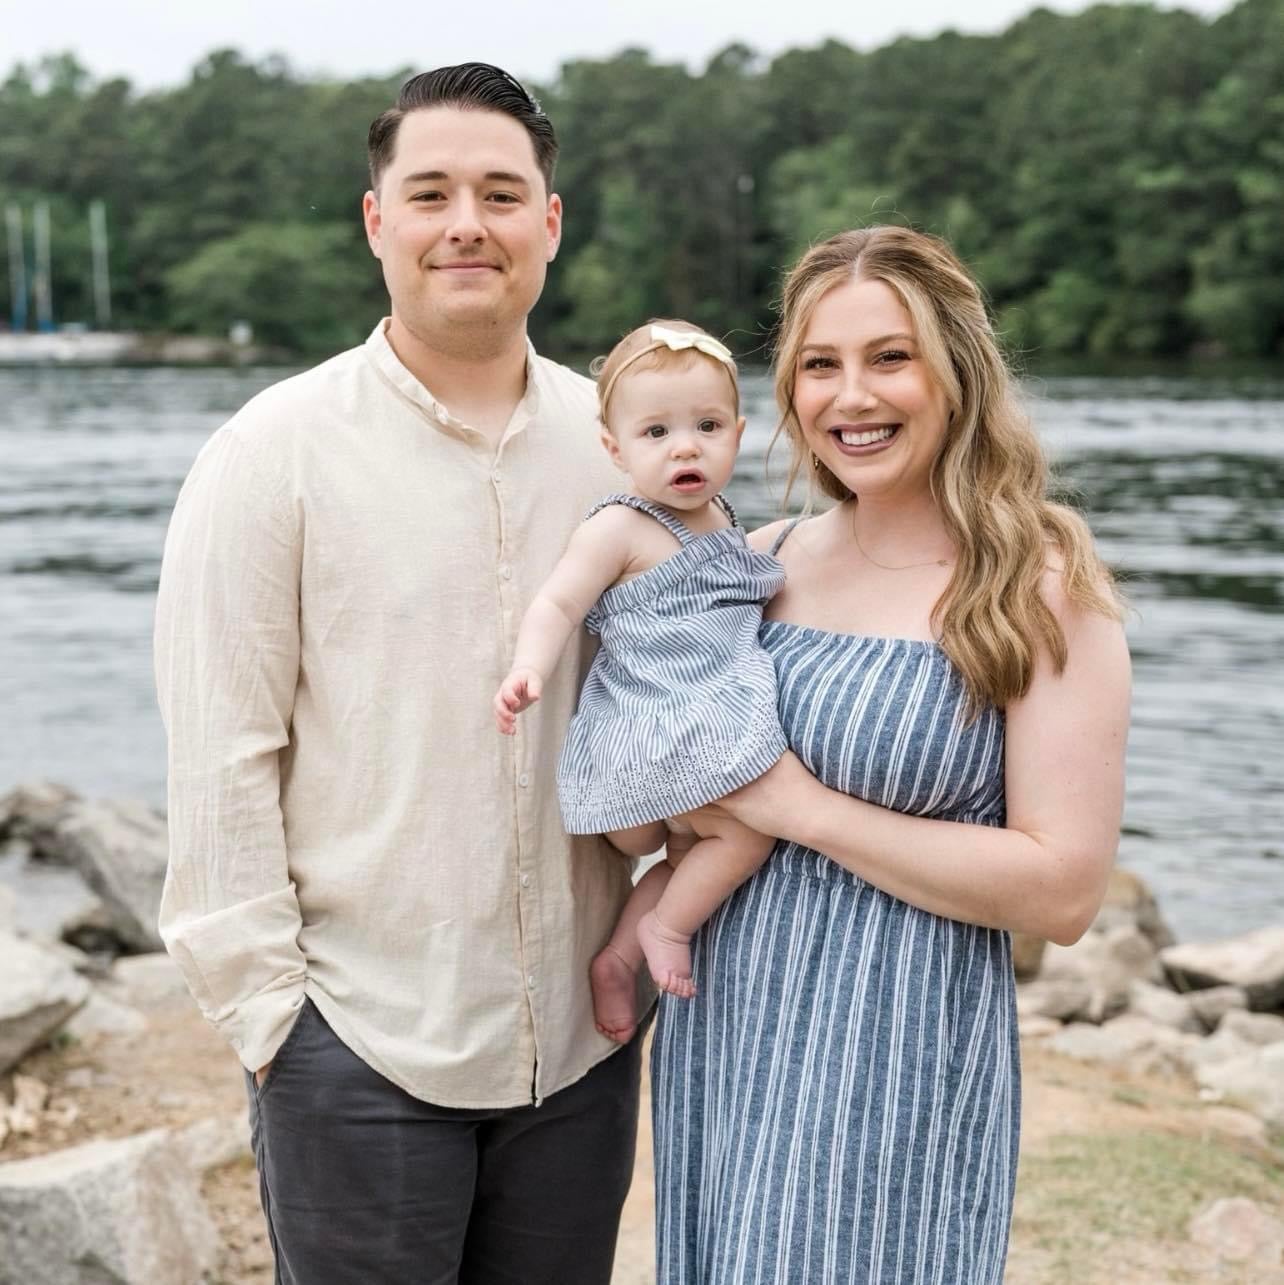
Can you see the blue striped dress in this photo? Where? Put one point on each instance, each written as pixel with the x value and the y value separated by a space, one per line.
pixel 841 1100
pixel 679 706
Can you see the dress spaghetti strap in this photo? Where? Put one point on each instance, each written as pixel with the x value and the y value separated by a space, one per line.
pixel 666 519
pixel 784 535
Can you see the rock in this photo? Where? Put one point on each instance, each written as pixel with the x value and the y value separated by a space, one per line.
pixel 1254 1080
pixel 126 1212
pixel 121 850
pixel 210 1143
pixel 1130 903
pixel 29 1098
pixel 147 982
pixel 1107 962
pixel 1238 1230
pixel 8 910
pixel 1253 962
pixel 1027 955
pixel 1234 1122
pixel 102 1015
pixel 1221 1046
pixel 1213 1004
pixel 1063 998
pixel 38 992
pixel 32 809
pixel 52 902
pixel 1254 1028
pixel 1036 1027
pixel 1131 1041
pixel 1161 1005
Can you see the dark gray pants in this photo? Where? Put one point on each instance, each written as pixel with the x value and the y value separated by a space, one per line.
pixel 363 1184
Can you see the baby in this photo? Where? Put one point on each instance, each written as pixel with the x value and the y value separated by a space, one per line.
pixel 679 707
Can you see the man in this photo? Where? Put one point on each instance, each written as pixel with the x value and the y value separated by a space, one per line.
pixel 370 892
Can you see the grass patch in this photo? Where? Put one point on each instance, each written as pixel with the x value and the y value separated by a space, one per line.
pixel 1081 1196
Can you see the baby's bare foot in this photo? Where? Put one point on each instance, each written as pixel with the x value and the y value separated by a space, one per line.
pixel 668 955
pixel 615 999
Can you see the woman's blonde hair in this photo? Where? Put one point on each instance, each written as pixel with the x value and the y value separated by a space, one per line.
pixel 638 350
pixel 989 480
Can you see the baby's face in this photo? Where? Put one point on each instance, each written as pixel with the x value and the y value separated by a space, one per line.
pixel 675 432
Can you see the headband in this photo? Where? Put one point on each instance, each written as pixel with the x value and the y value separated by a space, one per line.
pixel 674 341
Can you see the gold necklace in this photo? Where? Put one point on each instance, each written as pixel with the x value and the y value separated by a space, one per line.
pixel 882 566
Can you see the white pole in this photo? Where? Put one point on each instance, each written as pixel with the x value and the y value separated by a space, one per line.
pixel 17 268
pixel 102 280
pixel 43 285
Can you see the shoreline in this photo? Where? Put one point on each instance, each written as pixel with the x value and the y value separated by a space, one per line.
pixel 1152 1136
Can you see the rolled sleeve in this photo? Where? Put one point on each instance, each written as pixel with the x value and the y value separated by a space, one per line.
pixel 227 665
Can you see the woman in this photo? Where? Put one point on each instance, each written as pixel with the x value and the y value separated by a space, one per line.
pixel 841 1100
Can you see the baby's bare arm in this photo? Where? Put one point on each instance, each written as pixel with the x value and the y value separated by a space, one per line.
pixel 595 558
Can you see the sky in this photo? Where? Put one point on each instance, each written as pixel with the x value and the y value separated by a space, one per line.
pixel 155 43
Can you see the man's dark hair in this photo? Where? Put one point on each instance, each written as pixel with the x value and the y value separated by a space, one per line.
pixel 476 86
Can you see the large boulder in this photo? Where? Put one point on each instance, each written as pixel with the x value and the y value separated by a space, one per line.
pixel 121 849
pixel 1239 1230
pixel 51 902
pixel 33 809
pixel 1130 903
pixel 1254 1080
pixel 1211 1005
pixel 39 991
pixel 1254 962
pixel 118 849
pixel 1106 963
pixel 1166 1007
pixel 125 1212
pixel 1066 999
pixel 1129 1041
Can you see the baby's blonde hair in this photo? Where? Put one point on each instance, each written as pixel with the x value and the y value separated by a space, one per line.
pixel 638 350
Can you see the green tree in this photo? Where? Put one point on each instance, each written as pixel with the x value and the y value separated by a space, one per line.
pixel 298 284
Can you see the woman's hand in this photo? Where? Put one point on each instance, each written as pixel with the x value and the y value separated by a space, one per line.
pixel 777 803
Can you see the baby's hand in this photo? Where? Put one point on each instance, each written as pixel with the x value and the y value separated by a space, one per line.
pixel 519 691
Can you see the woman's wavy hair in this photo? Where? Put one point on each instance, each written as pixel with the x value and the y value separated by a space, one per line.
pixel 990 479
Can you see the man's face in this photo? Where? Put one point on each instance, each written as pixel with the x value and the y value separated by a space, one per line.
pixel 462 226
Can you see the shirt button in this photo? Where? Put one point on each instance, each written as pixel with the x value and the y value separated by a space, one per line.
pixel 506 572
pixel 524 780
pixel 526 881
pixel 494 477
pixel 530 980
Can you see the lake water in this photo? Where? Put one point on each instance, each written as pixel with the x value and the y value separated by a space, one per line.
pixel 1182 480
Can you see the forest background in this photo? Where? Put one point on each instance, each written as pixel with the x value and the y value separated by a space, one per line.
pixel 1114 177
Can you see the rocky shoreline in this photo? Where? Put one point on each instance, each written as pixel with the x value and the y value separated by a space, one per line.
pixel 95 1198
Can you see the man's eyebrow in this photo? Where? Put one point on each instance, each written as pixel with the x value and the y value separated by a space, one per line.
pixel 491 176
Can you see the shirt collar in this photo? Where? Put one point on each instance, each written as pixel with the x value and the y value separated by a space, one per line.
pixel 390 365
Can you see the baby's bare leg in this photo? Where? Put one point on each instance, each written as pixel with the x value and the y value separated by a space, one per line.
pixel 726 854
pixel 612 974
pixel 639 840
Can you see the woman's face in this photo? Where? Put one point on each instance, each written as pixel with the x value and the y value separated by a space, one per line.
pixel 868 405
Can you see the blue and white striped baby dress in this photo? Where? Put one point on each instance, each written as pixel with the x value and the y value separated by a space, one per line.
pixel 679 706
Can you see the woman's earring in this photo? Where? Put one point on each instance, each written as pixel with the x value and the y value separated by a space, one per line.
pixel 815 462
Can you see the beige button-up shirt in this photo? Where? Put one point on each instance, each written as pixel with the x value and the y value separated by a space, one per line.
pixel 344 576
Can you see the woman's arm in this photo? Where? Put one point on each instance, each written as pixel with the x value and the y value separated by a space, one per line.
pixel 595 558
pixel 1046 872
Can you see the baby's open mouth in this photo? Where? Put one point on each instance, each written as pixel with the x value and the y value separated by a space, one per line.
pixel 689 479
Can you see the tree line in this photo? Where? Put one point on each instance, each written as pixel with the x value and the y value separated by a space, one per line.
pixel 1115 178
